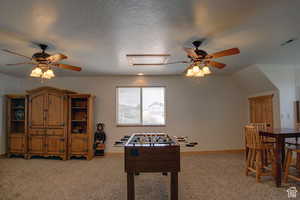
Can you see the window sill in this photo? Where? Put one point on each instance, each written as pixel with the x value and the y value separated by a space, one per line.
pixel 119 125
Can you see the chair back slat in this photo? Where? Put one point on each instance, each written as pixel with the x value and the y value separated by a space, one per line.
pixel 259 126
pixel 252 137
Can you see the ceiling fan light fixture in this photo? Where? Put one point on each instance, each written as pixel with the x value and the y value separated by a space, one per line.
pixel 36 72
pixel 45 76
pixel 196 69
pixel 200 74
pixel 50 73
pixel 190 73
pixel 206 70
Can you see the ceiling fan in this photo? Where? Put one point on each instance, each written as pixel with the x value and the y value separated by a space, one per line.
pixel 43 62
pixel 201 59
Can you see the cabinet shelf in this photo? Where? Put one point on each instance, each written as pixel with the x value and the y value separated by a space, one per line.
pixel 17 108
pixel 18 120
pixel 79 108
pixel 16 131
pixel 80 127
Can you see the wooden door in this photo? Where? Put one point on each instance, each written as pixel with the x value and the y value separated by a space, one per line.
pixel 79 144
pixel 261 110
pixel 55 110
pixel 37 110
pixel 56 145
pixel 16 143
pixel 36 144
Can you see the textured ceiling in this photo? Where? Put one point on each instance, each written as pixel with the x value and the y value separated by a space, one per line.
pixel 97 34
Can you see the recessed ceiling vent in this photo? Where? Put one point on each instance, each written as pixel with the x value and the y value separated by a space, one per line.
pixel 147 59
pixel 288 41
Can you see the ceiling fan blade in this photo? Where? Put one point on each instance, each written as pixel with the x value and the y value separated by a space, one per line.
pixel 56 57
pixel 191 52
pixel 11 52
pixel 227 52
pixel 22 63
pixel 70 67
pixel 216 64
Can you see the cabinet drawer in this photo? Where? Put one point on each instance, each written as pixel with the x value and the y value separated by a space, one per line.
pixel 59 132
pixel 17 144
pixel 37 131
pixel 36 144
pixel 79 145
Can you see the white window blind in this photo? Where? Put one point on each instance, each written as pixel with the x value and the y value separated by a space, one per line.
pixel 141 106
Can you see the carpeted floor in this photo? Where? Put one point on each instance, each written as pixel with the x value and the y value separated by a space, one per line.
pixel 203 177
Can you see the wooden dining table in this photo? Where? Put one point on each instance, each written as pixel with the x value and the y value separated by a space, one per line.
pixel 280 136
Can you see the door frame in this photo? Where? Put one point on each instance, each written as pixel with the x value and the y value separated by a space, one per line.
pixel 263 97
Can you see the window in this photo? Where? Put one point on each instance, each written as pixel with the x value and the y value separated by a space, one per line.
pixel 141 106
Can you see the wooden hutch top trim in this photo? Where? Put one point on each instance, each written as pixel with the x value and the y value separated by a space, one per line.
pixel 262 97
pixel 81 95
pixel 15 96
pixel 50 88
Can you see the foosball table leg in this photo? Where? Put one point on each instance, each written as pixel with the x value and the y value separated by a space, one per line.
pixel 130 186
pixel 174 185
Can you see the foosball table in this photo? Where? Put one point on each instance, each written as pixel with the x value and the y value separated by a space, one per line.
pixel 152 152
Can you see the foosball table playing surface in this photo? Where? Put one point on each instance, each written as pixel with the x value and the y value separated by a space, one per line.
pixel 152 152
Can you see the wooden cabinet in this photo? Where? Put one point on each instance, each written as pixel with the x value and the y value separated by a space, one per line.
pixel 36 145
pixel 79 145
pixel 56 145
pixel 16 124
pixel 81 126
pixel 48 110
pixel 17 144
pixel 54 107
pixel 37 112
pixel 59 123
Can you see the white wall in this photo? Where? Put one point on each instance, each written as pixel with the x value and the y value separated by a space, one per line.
pixel 254 82
pixel 284 78
pixel 211 110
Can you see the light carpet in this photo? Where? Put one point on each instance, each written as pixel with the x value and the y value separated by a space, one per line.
pixel 203 177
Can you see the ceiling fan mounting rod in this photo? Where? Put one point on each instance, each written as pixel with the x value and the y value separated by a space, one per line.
pixel 43 47
pixel 197 43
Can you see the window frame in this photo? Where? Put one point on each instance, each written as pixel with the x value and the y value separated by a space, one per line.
pixel 141 107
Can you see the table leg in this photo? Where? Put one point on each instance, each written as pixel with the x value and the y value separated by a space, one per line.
pixel 283 152
pixel 130 186
pixel 174 185
pixel 279 160
pixel 298 161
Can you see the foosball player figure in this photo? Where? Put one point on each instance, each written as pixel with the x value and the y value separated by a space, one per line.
pixel 99 140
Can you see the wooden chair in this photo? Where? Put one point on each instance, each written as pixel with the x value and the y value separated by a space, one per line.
pixel 263 126
pixel 260 127
pixel 256 148
pixel 288 163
